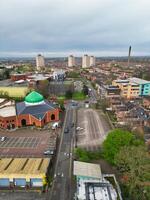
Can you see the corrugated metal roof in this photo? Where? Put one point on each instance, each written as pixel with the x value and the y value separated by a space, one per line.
pixel 23 167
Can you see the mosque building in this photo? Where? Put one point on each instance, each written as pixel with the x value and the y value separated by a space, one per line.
pixel 33 111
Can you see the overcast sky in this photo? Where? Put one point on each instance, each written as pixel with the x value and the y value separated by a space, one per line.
pixel 62 27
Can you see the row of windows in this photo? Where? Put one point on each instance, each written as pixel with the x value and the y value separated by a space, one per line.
pixel 10 126
pixel 2 121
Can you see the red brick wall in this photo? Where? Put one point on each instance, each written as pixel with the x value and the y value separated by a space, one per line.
pixel 18 77
pixel 21 117
pixel 5 122
pixel 35 121
pixel 49 114
pixel 16 121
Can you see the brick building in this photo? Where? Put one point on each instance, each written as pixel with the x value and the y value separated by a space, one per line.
pixel 34 111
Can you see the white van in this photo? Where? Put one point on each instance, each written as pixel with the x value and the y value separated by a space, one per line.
pixel 55 125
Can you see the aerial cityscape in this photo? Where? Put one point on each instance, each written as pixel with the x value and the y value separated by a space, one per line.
pixel 74 100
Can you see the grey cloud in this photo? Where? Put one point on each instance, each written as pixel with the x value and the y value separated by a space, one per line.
pixel 98 26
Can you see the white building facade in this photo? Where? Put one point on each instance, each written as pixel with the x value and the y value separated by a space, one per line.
pixel 92 61
pixel 85 61
pixel 40 61
pixel 71 61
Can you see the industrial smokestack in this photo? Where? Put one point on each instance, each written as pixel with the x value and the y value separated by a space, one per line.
pixel 129 55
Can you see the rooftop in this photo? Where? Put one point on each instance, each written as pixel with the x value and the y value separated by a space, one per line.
pixel 34 97
pixel 138 80
pixel 7 109
pixel 23 167
pixel 87 169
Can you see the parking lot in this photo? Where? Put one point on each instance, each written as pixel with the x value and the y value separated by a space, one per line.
pixel 20 142
pixel 94 129
pixel 25 143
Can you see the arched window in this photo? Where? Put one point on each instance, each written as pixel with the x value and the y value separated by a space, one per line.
pixel 23 122
pixel 52 117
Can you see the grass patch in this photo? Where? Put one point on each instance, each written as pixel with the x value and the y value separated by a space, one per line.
pixel 78 96
pixel 60 98
pixel 87 156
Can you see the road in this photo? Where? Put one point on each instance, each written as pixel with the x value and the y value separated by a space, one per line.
pixel 61 188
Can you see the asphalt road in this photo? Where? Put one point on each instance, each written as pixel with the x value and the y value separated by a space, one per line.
pixel 61 187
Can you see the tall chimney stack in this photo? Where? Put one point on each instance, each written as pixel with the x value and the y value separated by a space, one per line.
pixel 129 55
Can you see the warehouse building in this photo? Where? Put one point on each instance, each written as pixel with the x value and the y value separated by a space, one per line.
pixel 23 172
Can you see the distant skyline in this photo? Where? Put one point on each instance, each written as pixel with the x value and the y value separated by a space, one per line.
pixel 61 27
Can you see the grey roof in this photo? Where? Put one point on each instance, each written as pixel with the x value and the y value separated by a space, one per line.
pixel 37 111
pixel 141 113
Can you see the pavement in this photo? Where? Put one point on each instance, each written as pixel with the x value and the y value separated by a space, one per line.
pixel 95 129
pixel 21 195
pixel 61 187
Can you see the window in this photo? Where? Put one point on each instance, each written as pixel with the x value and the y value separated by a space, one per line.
pixel 52 117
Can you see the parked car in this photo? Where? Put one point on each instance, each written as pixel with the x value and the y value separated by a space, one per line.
pixel 55 125
pixel 2 139
pixel 79 128
pixel 49 152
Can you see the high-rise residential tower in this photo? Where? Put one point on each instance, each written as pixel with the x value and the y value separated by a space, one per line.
pixel 92 61
pixel 85 61
pixel 40 62
pixel 71 61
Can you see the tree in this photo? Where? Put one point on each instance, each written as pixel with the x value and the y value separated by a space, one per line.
pixel 85 90
pixel 43 87
pixel 87 156
pixel 115 140
pixel 133 162
pixel 73 74
pixel 68 94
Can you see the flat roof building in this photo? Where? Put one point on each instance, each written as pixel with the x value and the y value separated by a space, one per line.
pixel 133 87
pixel 87 169
pixel 91 185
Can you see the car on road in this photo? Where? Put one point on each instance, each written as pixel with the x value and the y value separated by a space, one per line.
pixel 66 130
pixel 2 139
pixel 72 125
pixel 49 152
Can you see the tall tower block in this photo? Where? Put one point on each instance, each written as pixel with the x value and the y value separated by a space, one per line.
pixel 71 61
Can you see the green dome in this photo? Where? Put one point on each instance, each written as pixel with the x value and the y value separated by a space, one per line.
pixel 34 97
